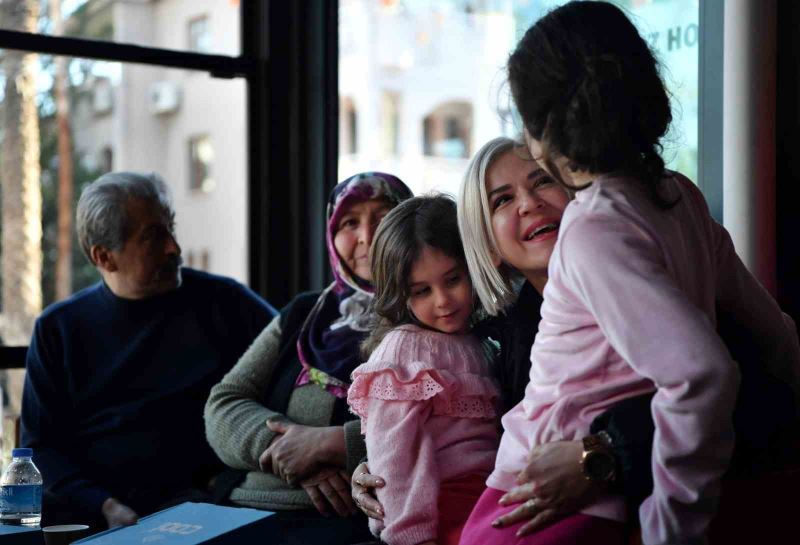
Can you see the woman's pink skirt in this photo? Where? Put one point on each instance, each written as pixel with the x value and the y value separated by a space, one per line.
pixel 573 530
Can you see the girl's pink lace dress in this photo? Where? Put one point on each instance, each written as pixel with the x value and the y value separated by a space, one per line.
pixel 427 407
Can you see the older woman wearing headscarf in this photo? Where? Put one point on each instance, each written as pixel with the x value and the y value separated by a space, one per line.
pixel 281 412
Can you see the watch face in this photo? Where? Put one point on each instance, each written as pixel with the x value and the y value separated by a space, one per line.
pixel 599 466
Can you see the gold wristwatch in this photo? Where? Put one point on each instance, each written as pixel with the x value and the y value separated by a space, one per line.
pixel 597 462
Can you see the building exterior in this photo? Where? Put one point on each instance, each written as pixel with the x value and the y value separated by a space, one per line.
pixel 421 87
pixel 422 83
pixel 187 126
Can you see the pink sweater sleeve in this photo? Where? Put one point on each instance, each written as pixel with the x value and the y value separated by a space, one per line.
pixel 619 273
pixel 402 452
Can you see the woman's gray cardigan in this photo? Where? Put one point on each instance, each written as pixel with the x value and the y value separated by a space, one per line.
pixel 235 421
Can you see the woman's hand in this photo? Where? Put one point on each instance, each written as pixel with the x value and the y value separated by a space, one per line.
pixel 117 513
pixel 551 486
pixel 299 451
pixel 363 486
pixel 328 490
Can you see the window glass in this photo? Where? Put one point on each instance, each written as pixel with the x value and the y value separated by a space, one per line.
pixel 209 26
pixel 117 117
pixel 442 62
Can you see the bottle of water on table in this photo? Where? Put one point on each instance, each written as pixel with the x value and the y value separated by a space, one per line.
pixel 21 491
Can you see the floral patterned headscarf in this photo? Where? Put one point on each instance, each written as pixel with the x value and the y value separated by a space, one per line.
pixel 329 341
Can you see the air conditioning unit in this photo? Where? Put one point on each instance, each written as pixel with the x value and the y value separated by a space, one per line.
pixel 102 96
pixel 165 97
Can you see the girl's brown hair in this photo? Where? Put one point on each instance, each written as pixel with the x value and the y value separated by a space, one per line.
pixel 429 220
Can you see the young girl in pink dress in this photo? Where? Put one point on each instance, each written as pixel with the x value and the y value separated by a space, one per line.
pixel 629 307
pixel 425 397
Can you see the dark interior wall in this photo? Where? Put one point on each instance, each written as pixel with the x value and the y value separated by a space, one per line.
pixel 787 159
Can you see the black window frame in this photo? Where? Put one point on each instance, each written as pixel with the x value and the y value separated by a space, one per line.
pixel 709 120
pixel 292 131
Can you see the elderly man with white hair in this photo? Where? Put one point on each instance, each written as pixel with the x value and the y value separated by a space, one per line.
pixel 118 374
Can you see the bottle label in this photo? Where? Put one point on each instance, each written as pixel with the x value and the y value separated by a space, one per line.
pixel 21 498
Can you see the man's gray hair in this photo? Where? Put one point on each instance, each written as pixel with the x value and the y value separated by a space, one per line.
pixel 102 215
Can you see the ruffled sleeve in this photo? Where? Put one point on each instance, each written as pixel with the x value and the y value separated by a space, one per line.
pixel 418 365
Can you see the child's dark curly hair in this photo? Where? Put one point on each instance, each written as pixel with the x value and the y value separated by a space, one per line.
pixel 587 86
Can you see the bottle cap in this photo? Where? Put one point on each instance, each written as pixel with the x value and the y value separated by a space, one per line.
pixel 22 453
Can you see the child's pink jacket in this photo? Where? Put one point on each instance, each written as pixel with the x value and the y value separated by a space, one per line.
pixel 630 308
pixel 427 407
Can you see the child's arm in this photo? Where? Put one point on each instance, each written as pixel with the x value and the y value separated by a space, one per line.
pixel 619 273
pixel 402 452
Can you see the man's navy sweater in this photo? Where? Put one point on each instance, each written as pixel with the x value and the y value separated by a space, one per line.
pixel 115 388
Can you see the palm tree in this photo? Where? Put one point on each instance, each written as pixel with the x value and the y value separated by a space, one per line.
pixel 21 261
pixel 63 272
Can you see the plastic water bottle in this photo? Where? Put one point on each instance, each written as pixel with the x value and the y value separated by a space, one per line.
pixel 21 491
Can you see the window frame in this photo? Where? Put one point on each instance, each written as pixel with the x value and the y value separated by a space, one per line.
pixel 709 120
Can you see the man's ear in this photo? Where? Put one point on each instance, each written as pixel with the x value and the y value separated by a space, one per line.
pixel 103 258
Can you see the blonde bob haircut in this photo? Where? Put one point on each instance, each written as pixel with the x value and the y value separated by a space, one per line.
pixel 494 285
